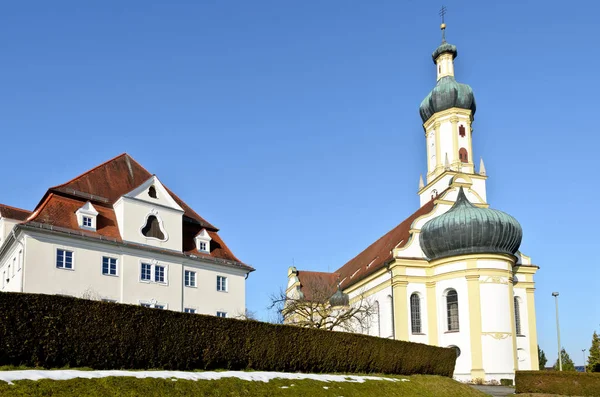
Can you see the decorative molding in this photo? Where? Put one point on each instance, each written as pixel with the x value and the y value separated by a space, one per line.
pixel 497 335
pixel 494 280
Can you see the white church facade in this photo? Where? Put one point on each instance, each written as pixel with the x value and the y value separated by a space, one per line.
pixel 451 274
pixel 116 233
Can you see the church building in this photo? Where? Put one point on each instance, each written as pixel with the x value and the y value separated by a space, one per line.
pixel 451 274
pixel 116 233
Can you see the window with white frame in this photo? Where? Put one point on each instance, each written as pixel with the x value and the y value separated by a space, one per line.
pixel 64 259
pixel 189 310
pixel 190 278
pixel 222 283
pixel 222 314
pixel 143 304
pixel 452 310
pixel 109 266
pixel 159 274
pixel 151 272
pixel 202 246
pixel 87 216
pixel 146 272
pixel 518 317
pixel 159 307
pixel 415 313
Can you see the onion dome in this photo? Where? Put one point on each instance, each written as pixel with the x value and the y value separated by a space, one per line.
pixel 339 298
pixel 467 229
pixel 443 48
pixel 448 93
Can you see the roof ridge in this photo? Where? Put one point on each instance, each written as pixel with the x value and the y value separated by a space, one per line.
pixel 14 208
pixel 94 169
pixel 39 208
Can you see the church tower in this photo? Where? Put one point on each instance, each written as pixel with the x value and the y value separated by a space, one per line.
pixel 447 113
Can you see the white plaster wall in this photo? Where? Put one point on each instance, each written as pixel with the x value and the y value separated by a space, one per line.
pixel 421 290
pixel 11 269
pixel 492 264
pixel 6 226
pixel 450 267
pixel 446 142
pixel 496 326
pixel 42 276
pixel 462 337
pixel 132 215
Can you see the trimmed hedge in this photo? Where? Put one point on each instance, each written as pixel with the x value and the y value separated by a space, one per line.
pixel 55 331
pixel 566 383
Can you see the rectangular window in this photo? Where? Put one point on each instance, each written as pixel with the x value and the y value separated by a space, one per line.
pixel 108 300
pixel 146 272
pixel 221 283
pixel 159 274
pixel 109 266
pixel 159 307
pixel 221 314
pixel 87 221
pixel 202 246
pixel 190 278
pixel 64 259
pixel 189 310
pixel 145 305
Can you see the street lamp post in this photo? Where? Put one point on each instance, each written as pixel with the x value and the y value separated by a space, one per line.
pixel 583 353
pixel 555 295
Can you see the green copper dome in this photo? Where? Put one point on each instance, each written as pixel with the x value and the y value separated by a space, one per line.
pixel 467 229
pixel 448 93
pixel 444 47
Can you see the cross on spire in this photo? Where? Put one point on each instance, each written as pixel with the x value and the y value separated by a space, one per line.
pixel 442 13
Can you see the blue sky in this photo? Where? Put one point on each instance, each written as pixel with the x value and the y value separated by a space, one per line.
pixel 294 126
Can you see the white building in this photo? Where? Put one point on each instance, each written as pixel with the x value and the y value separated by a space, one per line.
pixel 451 273
pixel 116 233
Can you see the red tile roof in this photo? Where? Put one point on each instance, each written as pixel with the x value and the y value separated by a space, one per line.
pixel 317 285
pixel 375 256
pixel 114 178
pixel 9 212
pixel 104 185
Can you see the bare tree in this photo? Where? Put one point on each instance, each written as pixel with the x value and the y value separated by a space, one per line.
pixel 322 305
pixel 247 315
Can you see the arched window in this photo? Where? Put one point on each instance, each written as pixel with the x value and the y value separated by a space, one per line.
pixel 415 313
pixel 152 192
pixel 518 317
pixel 378 318
pixel 152 228
pixel 461 130
pixel 452 310
pixel 463 155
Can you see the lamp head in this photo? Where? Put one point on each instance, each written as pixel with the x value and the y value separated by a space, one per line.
pixel 555 294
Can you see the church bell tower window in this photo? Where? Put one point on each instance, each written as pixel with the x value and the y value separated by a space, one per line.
pixel 461 131
pixel 463 155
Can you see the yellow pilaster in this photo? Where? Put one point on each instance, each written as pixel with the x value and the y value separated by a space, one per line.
pixel 432 326
pixel 475 326
pixel 438 151
pixel 535 364
pixel 400 309
pixel 455 159
pixel 511 304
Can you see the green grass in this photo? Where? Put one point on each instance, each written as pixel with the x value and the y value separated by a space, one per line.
pixel 419 385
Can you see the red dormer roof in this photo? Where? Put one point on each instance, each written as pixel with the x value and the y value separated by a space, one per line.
pixel 17 214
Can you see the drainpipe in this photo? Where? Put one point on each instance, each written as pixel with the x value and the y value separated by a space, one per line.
pixel 393 319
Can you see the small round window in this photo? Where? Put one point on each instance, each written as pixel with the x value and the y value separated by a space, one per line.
pixel 456 349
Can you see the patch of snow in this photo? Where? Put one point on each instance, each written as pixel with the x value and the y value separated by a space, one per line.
pixel 34 374
pixel 325 387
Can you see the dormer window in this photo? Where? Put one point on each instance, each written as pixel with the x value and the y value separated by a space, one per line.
pixel 152 192
pixel 87 216
pixel 203 241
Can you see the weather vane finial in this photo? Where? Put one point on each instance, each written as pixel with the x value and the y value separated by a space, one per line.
pixel 443 25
